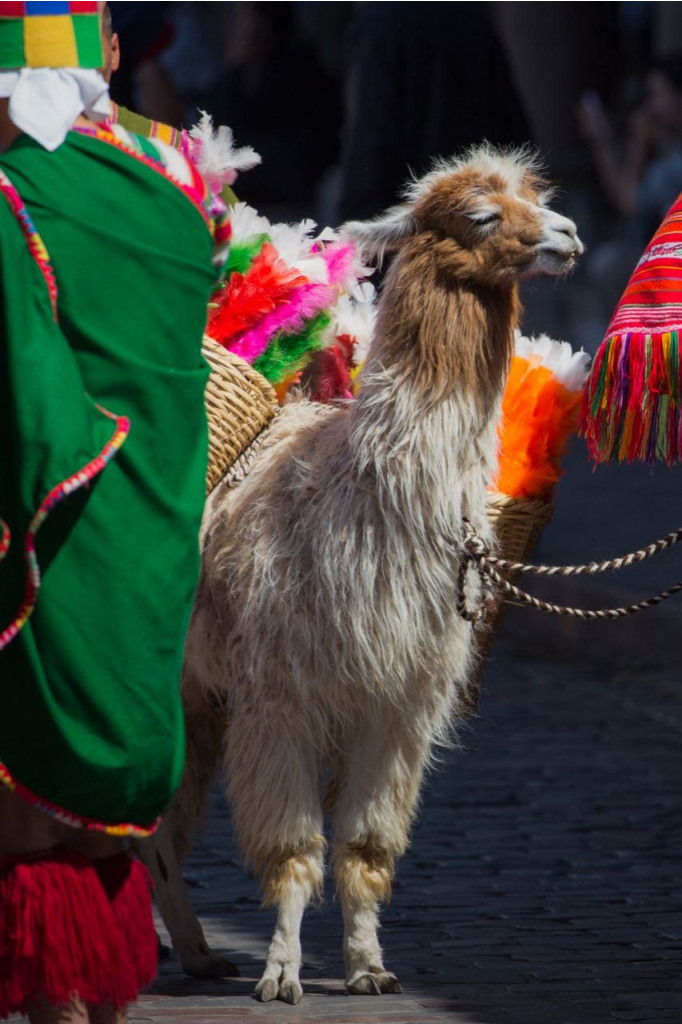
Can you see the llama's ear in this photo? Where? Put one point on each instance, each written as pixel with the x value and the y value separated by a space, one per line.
pixel 387 232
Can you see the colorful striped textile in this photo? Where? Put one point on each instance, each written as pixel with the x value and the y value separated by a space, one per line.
pixel 631 405
pixel 144 126
pixel 50 34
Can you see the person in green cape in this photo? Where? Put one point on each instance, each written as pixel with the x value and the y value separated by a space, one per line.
pixel 108 251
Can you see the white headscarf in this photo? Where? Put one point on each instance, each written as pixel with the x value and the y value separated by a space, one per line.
pixel 45 102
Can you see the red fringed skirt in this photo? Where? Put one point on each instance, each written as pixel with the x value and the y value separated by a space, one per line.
pixel 70 926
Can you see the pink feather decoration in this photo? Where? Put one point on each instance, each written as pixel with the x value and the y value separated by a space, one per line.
pixel 340 260
pixel 302 304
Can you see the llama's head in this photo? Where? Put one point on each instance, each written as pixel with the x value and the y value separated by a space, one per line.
pixel 486 215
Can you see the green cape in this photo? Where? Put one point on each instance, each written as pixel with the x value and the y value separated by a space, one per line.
pixel 92 719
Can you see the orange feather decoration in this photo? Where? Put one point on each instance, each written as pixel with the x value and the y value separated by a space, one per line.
pixel 540 411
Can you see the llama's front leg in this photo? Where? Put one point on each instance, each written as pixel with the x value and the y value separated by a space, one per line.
pixel 377 796
pixel 290 883
pixel 273 788
pixel 364 871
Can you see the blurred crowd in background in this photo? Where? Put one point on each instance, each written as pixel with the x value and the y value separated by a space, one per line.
pixel 345 100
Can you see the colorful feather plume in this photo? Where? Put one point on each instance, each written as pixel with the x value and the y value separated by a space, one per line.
pixel 631 408
pixel 285 294
pixel 540 410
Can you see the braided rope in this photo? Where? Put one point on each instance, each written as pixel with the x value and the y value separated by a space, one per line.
pixel 480 551
pixel 579 613
pixel 243 464
pixel 490 568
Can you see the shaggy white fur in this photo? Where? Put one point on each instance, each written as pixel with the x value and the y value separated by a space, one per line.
pixel 325 642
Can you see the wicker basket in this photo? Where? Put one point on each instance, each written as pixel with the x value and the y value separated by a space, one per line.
pixel 239 404
pixel 518 525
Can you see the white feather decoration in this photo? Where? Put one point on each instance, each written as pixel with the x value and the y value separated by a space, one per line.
pixel 570 368
pixel 214 153
pixel 247 223
pixel 356 316
pixel 294 243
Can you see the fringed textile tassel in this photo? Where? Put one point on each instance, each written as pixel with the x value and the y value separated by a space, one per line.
pixel 59 936
pixel 128 886
pixel 631 407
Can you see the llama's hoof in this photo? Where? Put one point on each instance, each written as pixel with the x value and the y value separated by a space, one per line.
pixel 388 983
pixel 266 990
pixel 210 967
pixel 290 992
pixel 370 984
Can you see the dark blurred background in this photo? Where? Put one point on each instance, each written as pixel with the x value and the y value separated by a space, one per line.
pixel 345 100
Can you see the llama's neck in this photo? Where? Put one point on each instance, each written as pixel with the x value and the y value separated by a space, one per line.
pixel 424 424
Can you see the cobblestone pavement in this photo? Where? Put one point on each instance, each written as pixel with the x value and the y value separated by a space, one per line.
pixel 543 885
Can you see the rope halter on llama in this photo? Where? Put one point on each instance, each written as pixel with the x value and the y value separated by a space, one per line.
pixel 478 555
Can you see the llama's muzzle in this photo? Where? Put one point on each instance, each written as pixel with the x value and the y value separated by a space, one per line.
pixel 559 245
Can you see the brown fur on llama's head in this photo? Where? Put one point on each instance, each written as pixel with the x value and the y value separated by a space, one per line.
pixel 486 216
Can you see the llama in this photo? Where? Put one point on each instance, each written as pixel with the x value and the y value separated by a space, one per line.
pixel 325 652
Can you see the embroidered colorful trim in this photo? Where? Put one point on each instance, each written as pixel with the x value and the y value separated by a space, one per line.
pixel 6 539
pixel 67 817
pixel 56 495
pixel 33 240
pixel 157 130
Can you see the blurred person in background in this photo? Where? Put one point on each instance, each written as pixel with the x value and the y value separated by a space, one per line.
pixel 424 80
pixel 640 176
pixel 142 83
pixel 277 96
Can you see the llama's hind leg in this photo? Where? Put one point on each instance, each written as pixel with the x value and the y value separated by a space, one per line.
pixel 376 800
pixel 163 853
pixel 277 814
pixel 160 856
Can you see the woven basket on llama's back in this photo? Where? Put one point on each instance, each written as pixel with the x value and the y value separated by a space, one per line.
pixel 518 525
pixel 240 403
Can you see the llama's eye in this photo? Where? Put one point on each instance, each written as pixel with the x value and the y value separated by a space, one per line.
pixel 482 220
